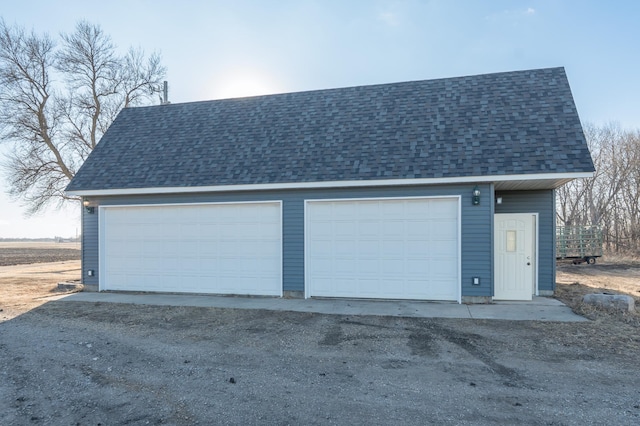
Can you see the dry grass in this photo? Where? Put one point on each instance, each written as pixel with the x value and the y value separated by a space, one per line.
pixel 617 275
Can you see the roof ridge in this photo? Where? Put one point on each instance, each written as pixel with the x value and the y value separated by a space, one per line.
pixel 372 86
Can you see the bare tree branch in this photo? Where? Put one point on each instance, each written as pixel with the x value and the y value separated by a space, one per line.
pixel 611 198
pixel 57 100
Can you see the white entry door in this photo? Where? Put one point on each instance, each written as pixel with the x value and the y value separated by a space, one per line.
pixel 515 256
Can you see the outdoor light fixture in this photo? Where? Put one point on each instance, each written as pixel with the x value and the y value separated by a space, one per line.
pixel 476 196
pixel 88 207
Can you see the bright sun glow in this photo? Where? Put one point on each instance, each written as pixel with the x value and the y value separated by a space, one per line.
pixel 238 84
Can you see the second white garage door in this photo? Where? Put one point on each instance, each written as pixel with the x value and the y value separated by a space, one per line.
pixel 383 249
pixel 231 248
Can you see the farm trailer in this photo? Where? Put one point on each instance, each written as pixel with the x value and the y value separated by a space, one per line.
pixel 581 243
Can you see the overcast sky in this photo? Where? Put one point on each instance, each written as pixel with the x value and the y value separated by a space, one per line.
pixel 218 49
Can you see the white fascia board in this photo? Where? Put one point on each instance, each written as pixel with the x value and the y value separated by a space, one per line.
pixel 332 184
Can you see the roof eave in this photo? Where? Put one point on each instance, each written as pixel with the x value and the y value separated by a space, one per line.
pixel 502 182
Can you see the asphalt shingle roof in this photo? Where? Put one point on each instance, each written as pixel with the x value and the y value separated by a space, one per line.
pixel 522 122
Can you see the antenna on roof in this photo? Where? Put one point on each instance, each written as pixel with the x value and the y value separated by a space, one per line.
pixel 164 99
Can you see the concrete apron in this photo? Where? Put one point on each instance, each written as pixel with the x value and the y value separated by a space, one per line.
pixel 539 309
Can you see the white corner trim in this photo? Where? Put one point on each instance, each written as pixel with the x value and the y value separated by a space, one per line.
pixel 331 184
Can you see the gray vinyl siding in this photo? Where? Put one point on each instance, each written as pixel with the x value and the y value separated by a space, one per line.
pixel 89 246
pixel 477 242
pixel 476 224
pixel 543 203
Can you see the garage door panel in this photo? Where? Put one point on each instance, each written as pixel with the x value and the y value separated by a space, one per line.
pixel 343 265
pixel 340 228
pixel 321 247
pixel 441 210
pixel 270 269
pixel 417 267
pixel 190 230
pixel 367 247
pixel 209 267
pixel 419 230
pixel 169 249
pixel 391 247
pixel 208 229
pixel 394 286
pixel 391 228
pixel 342 247
pixel 391 211
pixel 189 266
pixel 269 232
pixel 209 248
pixel 387 248
pixel 320 213
pixel 392 268
pixel 324 228
pixel 190 250
pixel 444 247
pixel 117 247
pixel 368 266
pixel 369 228
pixel 324 265
pixel 416 209
pixel 343 210
pixel 324 285
pixel 344 287
pixel 443 228
pixel 368 287
pixel 413 287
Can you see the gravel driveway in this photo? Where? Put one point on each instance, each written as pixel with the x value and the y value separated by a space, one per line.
pixel 81 363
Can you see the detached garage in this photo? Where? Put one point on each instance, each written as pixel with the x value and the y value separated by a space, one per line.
pixel 394 191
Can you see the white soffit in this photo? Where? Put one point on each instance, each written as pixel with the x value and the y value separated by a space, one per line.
pixel 506 182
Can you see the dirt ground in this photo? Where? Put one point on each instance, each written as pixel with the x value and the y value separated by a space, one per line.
pixel 20 253
pixel 27 286
pixel 96 363
pixel 30 273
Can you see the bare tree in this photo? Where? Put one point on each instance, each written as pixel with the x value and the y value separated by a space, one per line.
pixel 611 198
pixel 57 100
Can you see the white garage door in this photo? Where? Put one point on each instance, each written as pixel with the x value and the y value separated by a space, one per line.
pixel 387 248
pixel 206 248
